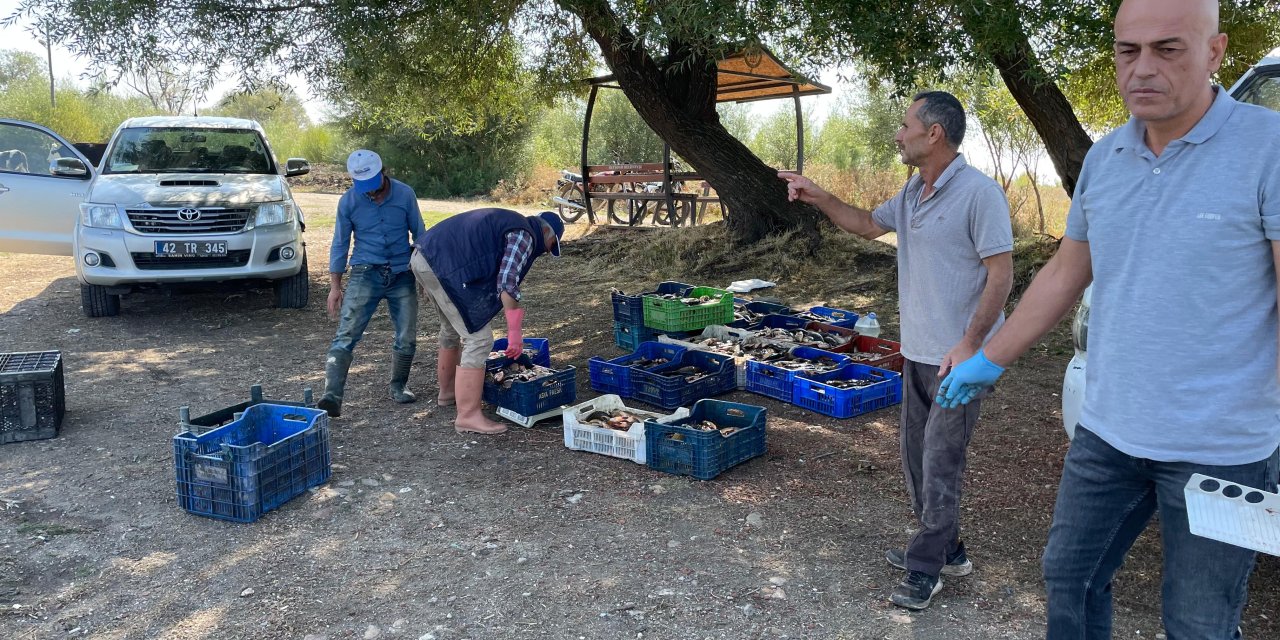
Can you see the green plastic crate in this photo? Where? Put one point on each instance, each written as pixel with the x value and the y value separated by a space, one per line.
pixel 673 315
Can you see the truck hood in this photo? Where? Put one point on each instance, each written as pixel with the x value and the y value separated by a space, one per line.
pixel 192 189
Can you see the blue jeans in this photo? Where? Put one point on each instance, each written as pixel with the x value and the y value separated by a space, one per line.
pixel 366 287
pixel 1105 500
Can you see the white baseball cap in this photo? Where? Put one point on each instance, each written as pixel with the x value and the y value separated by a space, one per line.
pixel 365 168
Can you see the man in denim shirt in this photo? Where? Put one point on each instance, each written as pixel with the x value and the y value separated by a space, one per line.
pixel 380 213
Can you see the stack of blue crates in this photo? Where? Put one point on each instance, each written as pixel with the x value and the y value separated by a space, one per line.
pixel 628 316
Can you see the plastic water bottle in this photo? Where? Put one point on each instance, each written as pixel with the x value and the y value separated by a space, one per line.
pixel 868 325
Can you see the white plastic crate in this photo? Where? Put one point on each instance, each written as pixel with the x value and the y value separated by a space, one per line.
pixel 628 445
pixel 1233 513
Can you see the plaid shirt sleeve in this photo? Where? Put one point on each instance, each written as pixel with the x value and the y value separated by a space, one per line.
pixel 514 257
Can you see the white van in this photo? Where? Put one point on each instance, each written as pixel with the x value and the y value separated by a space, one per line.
pixel 175 200
pixel 1259 85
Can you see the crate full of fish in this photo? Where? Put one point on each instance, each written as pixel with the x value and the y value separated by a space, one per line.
pixel 863 350
pixel 538 350
pixel 529 389
pixel 829 315
pixel 715 437
pixel 774 376
pixel 630 309
pixel 606 425
pixel 854 390
pixel 741 344
pixel 748 314
pixel 267 456
pixel 614 376
pixel 696 375
pixel 689 311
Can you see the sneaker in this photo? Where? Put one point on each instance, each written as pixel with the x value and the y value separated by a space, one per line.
pixel 916 591
pixel 957 565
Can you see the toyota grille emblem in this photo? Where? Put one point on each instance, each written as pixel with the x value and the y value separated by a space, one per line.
pixel 188 215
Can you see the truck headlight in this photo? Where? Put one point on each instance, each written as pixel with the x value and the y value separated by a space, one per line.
pixel 101 216
pixel 274 213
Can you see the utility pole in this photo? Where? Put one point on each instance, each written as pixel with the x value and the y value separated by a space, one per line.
pixel 48 48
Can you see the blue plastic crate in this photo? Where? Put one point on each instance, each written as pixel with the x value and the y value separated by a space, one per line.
pixel 778 321
pixel 815 395
pixel 837 317
pixel 658 388
pixel 630 309
pixel 766 308
pixel 536 396
pixel 614 376
pixel 682 450
pixel 541 345
pixel 241 470
pixel 779 383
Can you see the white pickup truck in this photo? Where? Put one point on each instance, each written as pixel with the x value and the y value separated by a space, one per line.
pixel 174 201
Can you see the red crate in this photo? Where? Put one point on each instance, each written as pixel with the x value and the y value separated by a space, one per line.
pixel 889 352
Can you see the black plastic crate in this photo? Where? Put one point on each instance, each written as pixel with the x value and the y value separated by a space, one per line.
pixel 245 468
pixel 32 397
pixel 657 387
pixel 759 307
pixel 630 309
pixel 685 450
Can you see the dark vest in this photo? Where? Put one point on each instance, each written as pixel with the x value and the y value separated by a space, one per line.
pixel 465 253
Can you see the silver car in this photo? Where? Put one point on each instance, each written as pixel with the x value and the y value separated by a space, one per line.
pixel 174 200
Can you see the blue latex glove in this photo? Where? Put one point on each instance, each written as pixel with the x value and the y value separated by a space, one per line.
pixel 967 380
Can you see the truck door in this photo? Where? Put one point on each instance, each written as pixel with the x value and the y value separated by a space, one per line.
pixel 38 209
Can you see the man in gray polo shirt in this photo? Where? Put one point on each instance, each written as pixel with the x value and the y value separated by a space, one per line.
pixel 1176 220
pixel 955 270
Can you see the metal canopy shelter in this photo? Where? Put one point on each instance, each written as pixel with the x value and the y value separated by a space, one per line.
pixel 752 74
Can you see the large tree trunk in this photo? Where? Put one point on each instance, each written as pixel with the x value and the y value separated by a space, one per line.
pixel 990 23
pixel 679 105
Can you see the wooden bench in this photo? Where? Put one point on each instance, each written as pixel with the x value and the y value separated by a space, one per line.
pixel 632 180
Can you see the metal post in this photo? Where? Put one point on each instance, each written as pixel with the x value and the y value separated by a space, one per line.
pixel 666 185
pixel 48 49
pixel 586 135
pixel 799 130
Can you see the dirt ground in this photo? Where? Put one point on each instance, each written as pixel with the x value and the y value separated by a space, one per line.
pixel 422 533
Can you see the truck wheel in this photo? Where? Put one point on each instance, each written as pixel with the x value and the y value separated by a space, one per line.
pixel 295 291
pixel 97 303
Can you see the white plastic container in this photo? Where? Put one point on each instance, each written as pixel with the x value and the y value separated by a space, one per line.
pixel 628 445
pixel 1234 514
pixel 868 325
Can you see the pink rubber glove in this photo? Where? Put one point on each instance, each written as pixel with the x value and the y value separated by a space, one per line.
pixel 515 338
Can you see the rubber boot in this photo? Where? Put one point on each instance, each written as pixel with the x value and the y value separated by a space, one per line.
pixel 446 365
pixel 400 366
pixel 468 386
pixel 335 380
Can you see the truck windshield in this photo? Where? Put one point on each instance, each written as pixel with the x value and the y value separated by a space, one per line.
pixel 1265 90
pixel 188 150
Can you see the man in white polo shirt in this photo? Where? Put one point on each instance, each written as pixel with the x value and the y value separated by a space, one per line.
pixel 1176 220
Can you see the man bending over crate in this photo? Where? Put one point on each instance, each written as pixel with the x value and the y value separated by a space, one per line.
pixel 955 270
pixel 471 265
pixel 380 213
pixel 1176 221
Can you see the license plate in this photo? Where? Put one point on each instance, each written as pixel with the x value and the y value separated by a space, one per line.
pixel 191 249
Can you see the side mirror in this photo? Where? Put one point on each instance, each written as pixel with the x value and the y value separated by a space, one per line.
pixel 68 168
pixel 296 167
